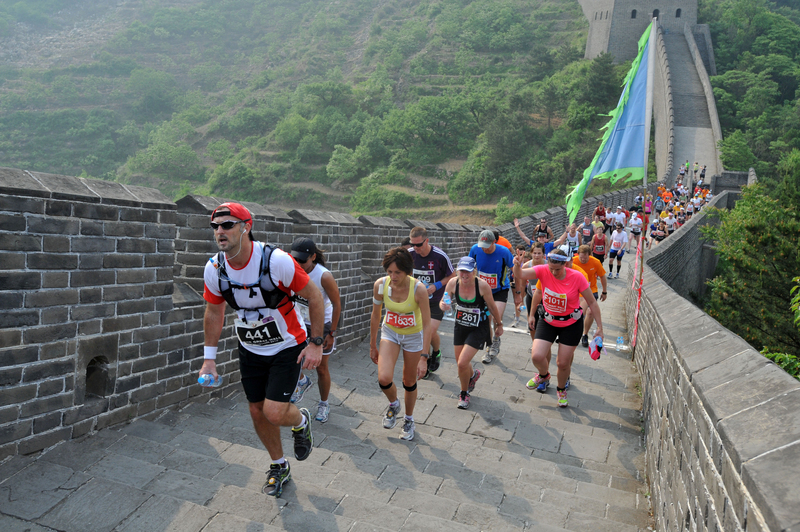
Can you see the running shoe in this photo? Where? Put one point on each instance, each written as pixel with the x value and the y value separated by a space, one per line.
pixel 408 430
pixel 434 361
pixel 277 476
pixel 472 380
pixel 303 441
pixel 390 419
pixel 323 410
pixel 616 276
pixel 585 340
pixel 562 398
pixel 463 401
pixel 515 322
pixel 300 390
pixel 492 352
pixel 537 382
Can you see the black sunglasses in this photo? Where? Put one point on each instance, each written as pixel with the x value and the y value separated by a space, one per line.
pixel 225 225
pixel 418 245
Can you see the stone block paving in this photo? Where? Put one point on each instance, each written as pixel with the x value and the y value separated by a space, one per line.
pixel 513 461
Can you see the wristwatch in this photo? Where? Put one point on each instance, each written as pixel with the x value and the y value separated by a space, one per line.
pixel 316 340
pixel 331 333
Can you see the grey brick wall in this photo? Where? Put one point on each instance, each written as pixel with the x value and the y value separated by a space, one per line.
pixel 722 423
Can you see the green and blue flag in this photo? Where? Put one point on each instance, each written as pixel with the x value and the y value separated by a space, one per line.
pixel 624 149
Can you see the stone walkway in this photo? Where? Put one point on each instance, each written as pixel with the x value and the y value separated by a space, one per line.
pixel 513 461
pixel 694 138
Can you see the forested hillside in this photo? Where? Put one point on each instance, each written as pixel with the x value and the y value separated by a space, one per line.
pixel 359 105
pixel 756 292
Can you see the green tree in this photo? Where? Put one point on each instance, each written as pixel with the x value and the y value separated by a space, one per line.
pixel 343 165
pixel 735 153
pixel 758 243
pixel 220 150
pixel 155 91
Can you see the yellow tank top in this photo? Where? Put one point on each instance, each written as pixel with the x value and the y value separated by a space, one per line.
pixel 405 317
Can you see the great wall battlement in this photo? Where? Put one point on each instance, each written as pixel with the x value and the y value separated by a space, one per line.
pixel 101 295
pixel 722 422
pixel 102 325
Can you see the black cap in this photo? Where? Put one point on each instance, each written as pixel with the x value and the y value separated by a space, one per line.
pixel 302 248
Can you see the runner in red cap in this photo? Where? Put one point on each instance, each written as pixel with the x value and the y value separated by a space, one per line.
pixel 260 283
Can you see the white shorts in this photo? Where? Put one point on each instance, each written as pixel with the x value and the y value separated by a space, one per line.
pixel 407 342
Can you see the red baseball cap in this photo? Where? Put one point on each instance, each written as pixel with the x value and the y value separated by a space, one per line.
pixel 229 208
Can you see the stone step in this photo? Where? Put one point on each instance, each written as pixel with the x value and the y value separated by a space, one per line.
pixel 513 461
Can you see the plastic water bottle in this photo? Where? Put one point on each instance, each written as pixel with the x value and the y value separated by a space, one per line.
pixel 523 308
pixel 620 343
pixel 430 296
pixel 207 381
pixel 447 301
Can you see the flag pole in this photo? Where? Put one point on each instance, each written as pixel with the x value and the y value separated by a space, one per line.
pixel 651 64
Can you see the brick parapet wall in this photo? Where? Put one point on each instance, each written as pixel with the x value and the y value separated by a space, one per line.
pixel 102 303
pixel 722 423
pixel 557 217
pixel 663 111
pixel 708 90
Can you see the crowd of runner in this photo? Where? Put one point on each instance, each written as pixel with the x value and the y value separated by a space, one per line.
pixel 288 309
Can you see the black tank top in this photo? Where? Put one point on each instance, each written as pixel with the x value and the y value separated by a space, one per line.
pixel 470 314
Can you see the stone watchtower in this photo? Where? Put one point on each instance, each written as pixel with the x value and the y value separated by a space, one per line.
pixel 616 25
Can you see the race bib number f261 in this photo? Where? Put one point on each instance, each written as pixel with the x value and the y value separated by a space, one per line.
pixel 400 321
pixel 467 317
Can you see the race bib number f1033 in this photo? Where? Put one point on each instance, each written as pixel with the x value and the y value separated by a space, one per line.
pixel 400 321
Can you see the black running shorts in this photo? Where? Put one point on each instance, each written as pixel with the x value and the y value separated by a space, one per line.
pixel 273 377
pixel 569 335
pixel 476 337
pixel 501 296
pixel 436 312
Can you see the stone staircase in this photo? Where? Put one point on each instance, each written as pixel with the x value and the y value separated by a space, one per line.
pixel 513 461
pixel 694 137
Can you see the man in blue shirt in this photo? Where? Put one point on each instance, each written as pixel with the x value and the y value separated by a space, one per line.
pixel 494 266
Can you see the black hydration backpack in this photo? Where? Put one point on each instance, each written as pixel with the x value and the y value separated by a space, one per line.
pixel 273 296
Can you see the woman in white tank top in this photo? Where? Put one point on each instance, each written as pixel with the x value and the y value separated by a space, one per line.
pixel 312 260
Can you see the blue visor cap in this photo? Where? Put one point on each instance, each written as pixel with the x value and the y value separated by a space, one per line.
pixel 466 264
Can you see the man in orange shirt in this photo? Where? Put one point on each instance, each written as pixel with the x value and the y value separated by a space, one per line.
pixel 594 270
pixel 502 241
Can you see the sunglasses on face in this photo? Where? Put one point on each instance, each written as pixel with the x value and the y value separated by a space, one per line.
pixel 418 245
pixel 225 225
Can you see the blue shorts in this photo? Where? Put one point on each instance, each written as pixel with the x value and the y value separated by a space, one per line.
pixel 613 254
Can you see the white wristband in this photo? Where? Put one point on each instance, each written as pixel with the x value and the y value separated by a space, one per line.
pixel 210 352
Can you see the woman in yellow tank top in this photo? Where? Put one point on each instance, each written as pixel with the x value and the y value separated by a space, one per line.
pixel 406 326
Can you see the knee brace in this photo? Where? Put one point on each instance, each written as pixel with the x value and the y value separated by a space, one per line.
pixel 410 388
pixel 385 387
